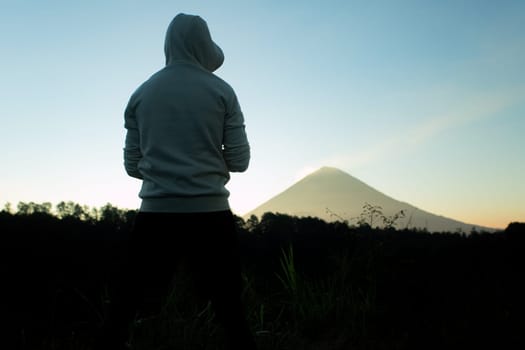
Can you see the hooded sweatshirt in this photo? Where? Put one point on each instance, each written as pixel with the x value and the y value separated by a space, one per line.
pixel 185 131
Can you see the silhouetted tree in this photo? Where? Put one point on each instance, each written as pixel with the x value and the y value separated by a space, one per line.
pixel 252 223
pixel 32 207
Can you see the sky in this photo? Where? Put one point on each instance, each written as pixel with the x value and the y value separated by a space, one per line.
pixel 422 100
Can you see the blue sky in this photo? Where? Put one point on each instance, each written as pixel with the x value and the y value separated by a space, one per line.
pixel 422 100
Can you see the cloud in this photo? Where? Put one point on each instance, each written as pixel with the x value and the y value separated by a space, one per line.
pixel 466 111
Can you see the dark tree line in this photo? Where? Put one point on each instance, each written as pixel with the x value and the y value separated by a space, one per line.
pixel 386 288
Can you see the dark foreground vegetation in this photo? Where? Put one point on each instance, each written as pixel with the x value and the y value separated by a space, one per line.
pixel 309 284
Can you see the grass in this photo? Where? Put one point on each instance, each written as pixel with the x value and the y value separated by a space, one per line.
pixel 331 287
pixel 381 290
pixel 296 313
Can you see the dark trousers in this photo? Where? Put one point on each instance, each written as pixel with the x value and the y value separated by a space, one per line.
pixel 206 244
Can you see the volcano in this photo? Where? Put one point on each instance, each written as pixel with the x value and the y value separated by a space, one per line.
pixel 334 195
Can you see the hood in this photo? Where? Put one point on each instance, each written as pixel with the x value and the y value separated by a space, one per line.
pixel 188 39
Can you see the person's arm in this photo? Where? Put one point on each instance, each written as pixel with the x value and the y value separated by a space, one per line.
pixel 236 149
pixel 132 154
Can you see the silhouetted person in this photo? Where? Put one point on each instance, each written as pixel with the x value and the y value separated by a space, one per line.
pixel 185 134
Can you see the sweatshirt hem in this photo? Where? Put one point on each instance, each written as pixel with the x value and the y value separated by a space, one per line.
pixel 184 205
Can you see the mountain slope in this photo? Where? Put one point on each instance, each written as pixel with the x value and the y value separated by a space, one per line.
pixel 332 194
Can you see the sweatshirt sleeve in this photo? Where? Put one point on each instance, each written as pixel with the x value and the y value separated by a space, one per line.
pixel 132 154
pixel 236 149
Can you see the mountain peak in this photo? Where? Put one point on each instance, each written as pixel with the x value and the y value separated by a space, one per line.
pixel 327 170
pixel 332 178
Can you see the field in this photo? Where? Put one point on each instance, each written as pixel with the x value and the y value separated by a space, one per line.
pixel 308 284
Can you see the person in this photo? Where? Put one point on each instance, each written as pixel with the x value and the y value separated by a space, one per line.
pixel 185 134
